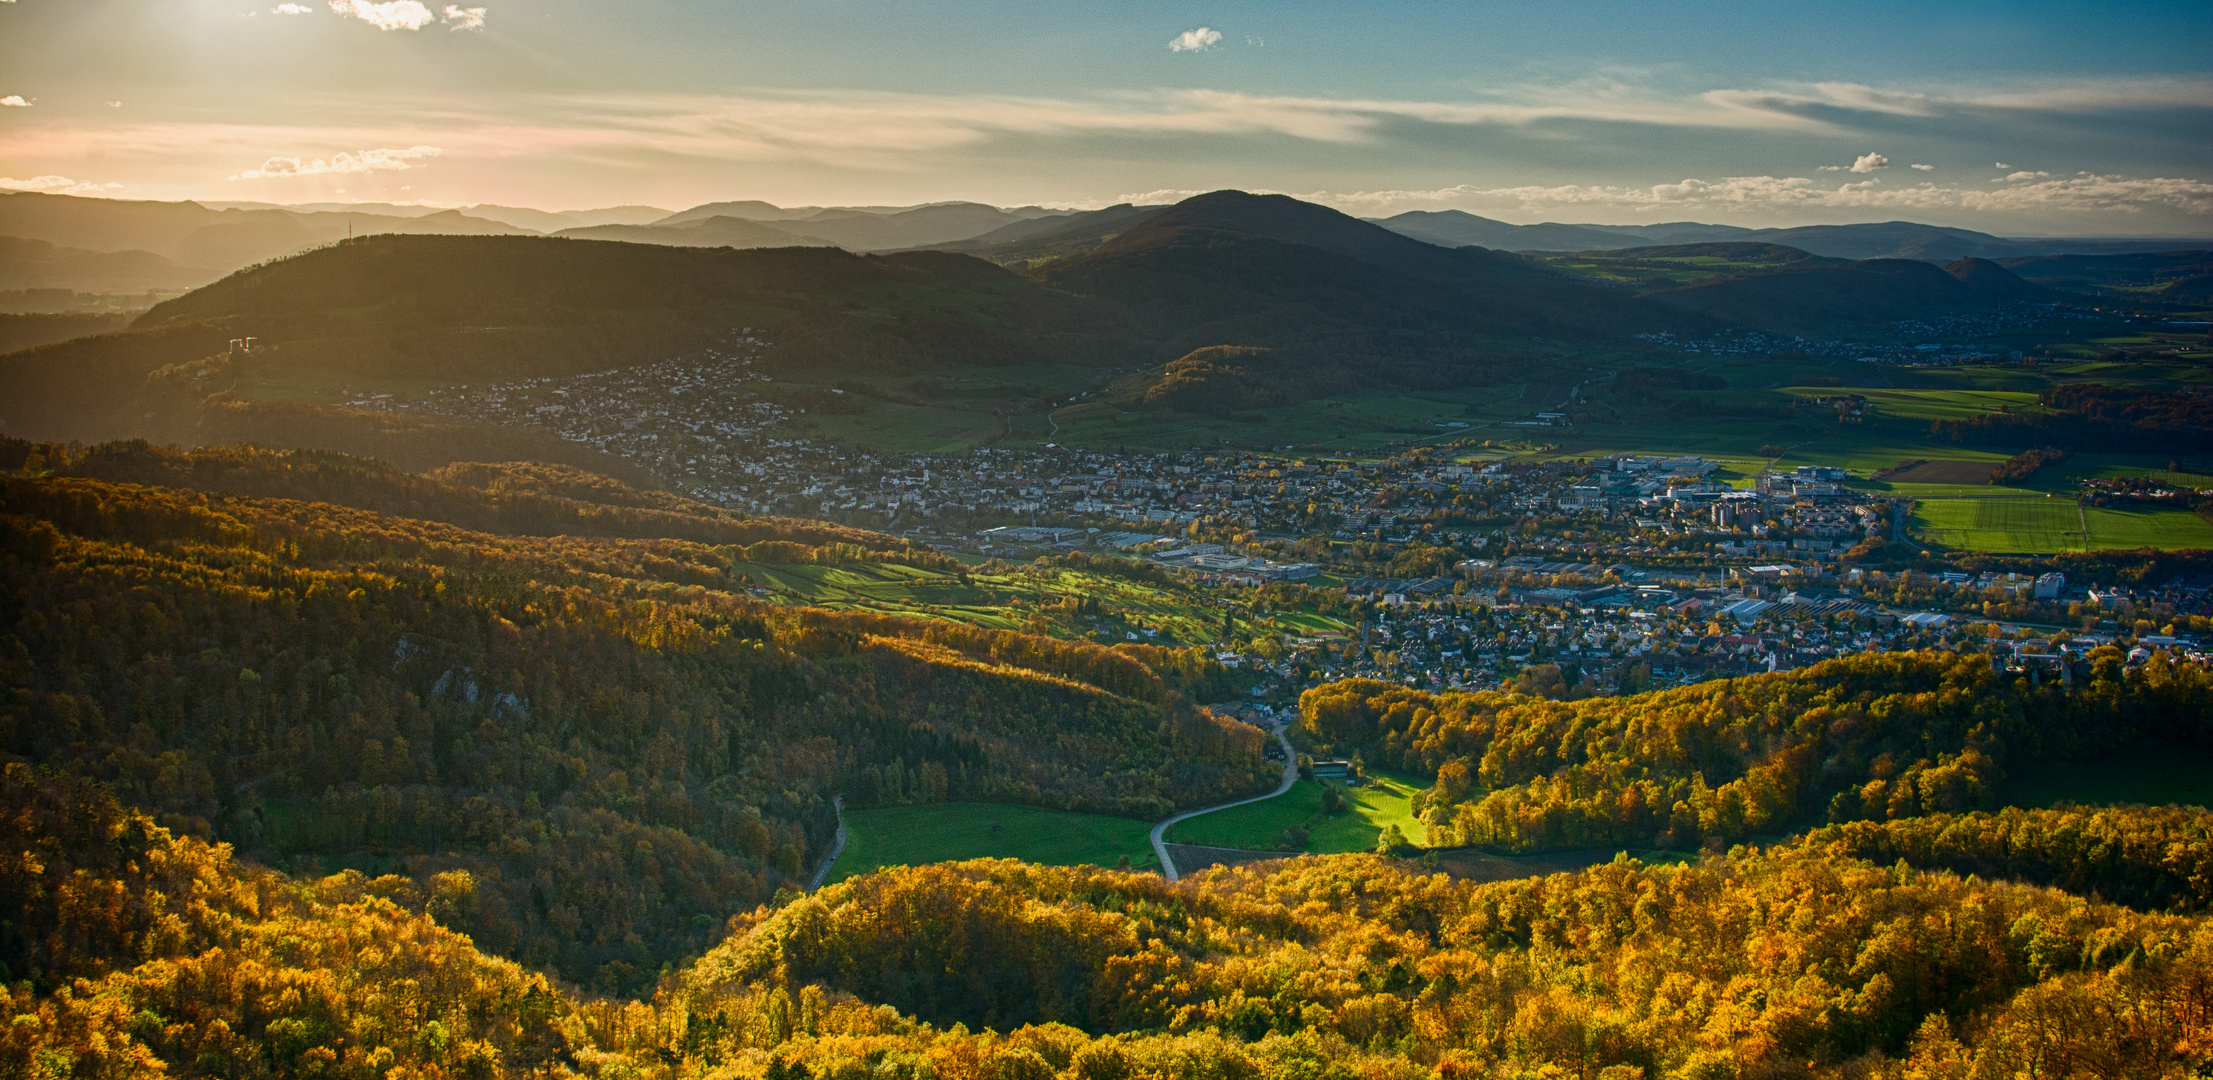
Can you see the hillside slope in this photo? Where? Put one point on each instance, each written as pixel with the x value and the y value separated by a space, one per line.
pixel 618 745
pixel 1800 299
pixel 1804 960
pixel 457 309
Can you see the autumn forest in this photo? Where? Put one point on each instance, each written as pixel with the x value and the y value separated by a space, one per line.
pixel 318 767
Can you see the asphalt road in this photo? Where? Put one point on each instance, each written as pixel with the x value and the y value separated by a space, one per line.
pixel 1290 777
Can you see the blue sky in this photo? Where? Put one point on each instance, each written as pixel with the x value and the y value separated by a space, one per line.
pixel 2017 117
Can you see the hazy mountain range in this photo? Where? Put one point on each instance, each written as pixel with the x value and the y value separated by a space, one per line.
pixel 120 246
pixel 1320 301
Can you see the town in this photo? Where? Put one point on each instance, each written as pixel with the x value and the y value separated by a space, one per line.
pixel 1466 565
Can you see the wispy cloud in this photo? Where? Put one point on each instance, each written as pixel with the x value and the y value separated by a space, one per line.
pixel 2072 194
pixel 384 159
pixel 1160 195
pixel 1198 40
pixel 14 101
pixel 1922 168
pixel 2105 95
pixel 291 9
pixel 461 18
pixel 56 185
pixel 1831 103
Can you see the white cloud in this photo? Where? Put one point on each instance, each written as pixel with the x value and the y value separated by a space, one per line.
pixel 2025 175
pixel 1197 40
pixel 461 18
pixel 14 101
pixel 1924 168
pixel 290 9
pixel 2003 165
pixel 385 159
pixel 1870 162
pixel 55 185
pixel 388 15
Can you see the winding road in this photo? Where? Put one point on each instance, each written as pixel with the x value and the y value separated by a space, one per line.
pixel 1160 831
pixel 837 845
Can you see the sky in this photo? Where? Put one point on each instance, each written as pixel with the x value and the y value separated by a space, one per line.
pixel 2020 117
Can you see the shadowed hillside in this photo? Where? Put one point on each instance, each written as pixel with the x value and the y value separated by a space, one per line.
pixel 1844 295
pixel 449 308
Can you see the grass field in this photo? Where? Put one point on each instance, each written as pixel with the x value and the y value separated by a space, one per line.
pixel 1256 826
pixel 943 832
pixel 2154 773
pixel 2048 525
pixel 1929 404
pixel 2170 529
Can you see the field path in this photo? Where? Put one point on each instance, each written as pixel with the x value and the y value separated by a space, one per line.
pixel 1160 831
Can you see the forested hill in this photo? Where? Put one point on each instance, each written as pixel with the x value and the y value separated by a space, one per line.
pixel 465 308
pixel 1842 296
pixel 515 498
pixel 1862 738
pixel 1270 270
pixel 165 956
pixel 618 745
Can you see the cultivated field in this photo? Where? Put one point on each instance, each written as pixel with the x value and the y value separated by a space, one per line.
pixel 2047 525
pixel 2041 526
pixel 1942 471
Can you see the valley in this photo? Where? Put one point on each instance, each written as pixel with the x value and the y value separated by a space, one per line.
pixel 524 617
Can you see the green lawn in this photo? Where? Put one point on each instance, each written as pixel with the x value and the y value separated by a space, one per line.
pixel 945 832
pixel 2154 773
pixel 1255 826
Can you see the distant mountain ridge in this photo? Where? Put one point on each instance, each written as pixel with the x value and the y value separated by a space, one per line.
pixel 731 232
pixel 1872 240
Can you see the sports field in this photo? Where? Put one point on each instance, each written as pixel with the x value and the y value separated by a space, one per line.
pixel 945 832
pixel 2048 525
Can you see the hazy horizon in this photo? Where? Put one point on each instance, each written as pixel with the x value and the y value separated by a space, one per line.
pixel 2059 119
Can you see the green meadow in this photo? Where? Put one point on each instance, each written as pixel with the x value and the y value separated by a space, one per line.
pixel 945 832
pixel 1255 826
pixel 2049 525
